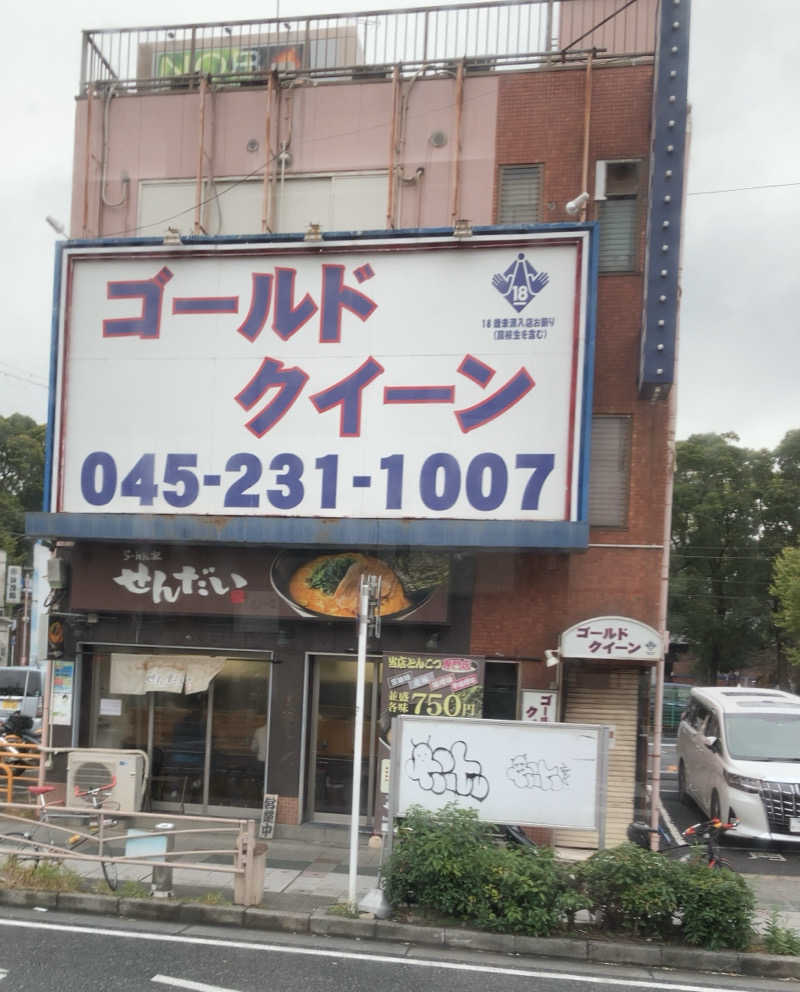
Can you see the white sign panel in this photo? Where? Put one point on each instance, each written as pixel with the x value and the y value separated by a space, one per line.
pixel 529 774
pixel 361 380
pixel 617 638
pixel 14 584
pixel 539 706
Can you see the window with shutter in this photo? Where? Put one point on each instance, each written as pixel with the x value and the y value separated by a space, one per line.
pixel 610 468
pixel 520 192
pixel 617 211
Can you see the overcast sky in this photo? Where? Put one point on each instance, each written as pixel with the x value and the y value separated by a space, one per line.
pixel 740 336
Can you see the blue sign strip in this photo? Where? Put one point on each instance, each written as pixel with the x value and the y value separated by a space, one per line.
pixel 657 364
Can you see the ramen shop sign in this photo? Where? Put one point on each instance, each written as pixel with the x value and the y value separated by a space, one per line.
pixel 433 685
pixel 359 381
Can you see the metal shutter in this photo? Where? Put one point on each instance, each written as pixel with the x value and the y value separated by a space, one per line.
pixel 520 191
pixel 616 705
pixel 609 472
pixel 617 227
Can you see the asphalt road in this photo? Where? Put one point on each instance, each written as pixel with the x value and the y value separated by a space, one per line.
pixel 63 953
pixel 765 859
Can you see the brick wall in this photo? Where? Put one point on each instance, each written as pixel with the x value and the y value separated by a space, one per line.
pixel 524 600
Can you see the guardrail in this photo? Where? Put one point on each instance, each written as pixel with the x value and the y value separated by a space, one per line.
pixel 363 45
pixel 30 838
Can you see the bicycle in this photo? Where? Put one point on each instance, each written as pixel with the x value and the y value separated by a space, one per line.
pixel 33 845
pixel 707 833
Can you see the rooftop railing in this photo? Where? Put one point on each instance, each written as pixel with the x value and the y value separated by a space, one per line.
pixel 488 36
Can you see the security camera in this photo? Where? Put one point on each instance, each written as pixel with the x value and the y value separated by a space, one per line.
pixel 573 208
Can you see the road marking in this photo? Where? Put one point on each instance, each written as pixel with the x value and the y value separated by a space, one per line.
pixel 675 834
pixel 184 983
pixel 315 952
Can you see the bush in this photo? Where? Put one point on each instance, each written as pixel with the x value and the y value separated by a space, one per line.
pixel 631 889
pixel 716 907
pixel 447 862
pixel 780 940
pixel 435 863
pixel 644 893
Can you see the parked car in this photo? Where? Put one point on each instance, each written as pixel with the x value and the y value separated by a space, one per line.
pixel 21 692
pixel 739 756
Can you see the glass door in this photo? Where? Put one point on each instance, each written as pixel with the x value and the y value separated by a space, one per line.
pixel 206 748
pixel 239 734
pixel 332 727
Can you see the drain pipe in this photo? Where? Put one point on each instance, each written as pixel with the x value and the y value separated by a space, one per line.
pixel 456 178
pixel 266 206
pixel 198 195
pixel 87 161
pixel 663 600
pixel 587 127
pixel 392 149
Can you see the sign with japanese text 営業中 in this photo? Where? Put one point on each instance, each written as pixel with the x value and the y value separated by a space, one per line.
pixel 375 379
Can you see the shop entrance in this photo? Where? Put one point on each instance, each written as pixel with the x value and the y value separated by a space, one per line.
pixel 207 749
pixel 330 790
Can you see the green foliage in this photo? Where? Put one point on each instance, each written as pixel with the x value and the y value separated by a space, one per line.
pixel 719 584
pixel 631 889
pixel 781 940
pixel 786 590
pixel 644 893
pixel 447 862
pixel 21 480
pixel 709 896
pixel 125 890
pixel 47 876
pixel 343 909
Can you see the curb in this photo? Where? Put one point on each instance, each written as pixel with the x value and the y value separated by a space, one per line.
pixel 323 924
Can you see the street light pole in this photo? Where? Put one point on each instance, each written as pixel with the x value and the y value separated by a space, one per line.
pixel 369 616
pixel 358 734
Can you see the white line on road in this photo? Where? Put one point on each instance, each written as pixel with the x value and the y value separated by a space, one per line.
pixel 314 952
pixel 184 983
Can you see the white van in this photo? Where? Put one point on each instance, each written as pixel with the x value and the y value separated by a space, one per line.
pixel 21 691
pixel 739 756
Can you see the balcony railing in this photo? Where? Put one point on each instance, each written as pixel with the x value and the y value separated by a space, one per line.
pixel 367 45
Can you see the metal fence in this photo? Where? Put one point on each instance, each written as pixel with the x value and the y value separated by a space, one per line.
pixel 488 36
pixel 84 839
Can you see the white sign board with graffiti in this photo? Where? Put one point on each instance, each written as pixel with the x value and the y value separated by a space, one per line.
pixel 529 774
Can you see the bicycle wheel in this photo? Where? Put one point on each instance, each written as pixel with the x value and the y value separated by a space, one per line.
pixel 26 851
pixel 110 874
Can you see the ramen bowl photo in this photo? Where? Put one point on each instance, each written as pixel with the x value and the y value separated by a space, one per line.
pixel 327 585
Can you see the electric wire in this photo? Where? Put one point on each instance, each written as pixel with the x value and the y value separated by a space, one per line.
pixel 742 189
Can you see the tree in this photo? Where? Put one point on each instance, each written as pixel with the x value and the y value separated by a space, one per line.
pixel 786 590
pixel 21 480
pixel 719 590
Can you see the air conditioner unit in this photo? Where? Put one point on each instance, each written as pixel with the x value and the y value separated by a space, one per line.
pixel 87 769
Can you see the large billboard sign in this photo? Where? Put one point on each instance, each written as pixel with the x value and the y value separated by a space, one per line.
pixel 412 380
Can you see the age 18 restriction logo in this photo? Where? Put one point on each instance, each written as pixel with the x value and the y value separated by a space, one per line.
pixel 520 282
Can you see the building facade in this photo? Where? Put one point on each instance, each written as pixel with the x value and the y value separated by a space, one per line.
pixel 408 143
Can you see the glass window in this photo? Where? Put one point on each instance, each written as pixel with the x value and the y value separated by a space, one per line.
pixel 500 691
pixel 519 194
pixel 618 215
pixel 763 736
pixel 609 471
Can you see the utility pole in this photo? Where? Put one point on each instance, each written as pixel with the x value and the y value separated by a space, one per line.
pixel 368 616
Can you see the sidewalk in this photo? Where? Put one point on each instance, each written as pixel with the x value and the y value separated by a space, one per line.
pixel 305 876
